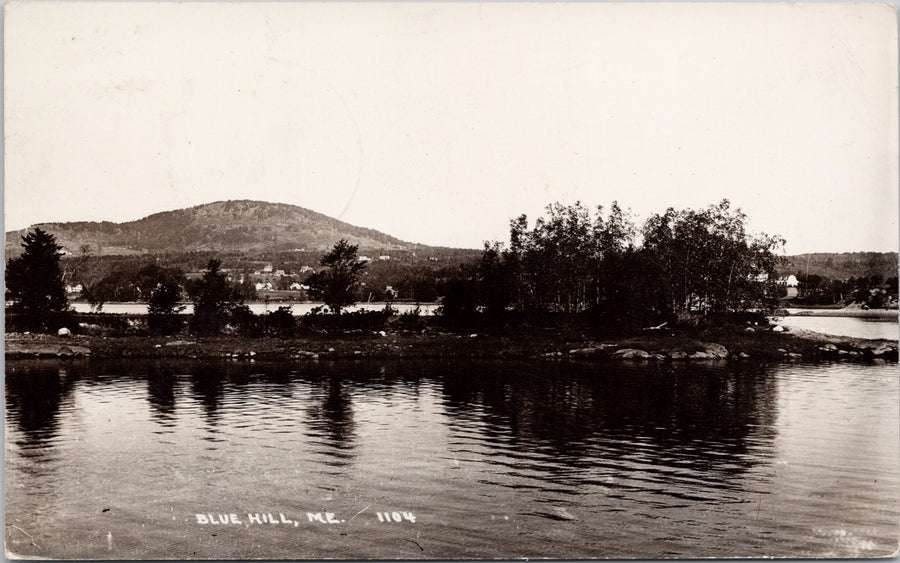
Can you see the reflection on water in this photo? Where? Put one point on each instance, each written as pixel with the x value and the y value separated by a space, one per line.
pixel 493 459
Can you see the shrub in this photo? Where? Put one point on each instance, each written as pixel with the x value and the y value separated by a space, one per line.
pixel 280 322
pixel 357 320
pixel 244 321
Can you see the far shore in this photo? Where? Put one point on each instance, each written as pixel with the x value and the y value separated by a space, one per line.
pixel 724 344
pixel 855 312
pixel 301 307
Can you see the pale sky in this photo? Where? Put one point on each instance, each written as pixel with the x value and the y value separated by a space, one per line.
pixel 439 122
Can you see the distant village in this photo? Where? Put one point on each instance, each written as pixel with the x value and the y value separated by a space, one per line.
pixel 387 277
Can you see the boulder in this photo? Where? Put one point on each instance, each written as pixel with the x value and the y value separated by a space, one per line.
pixel 828 348
pixel 72 351
pixel 593 351
pixel 678 355
pixel 778 328
pixel 700 355
pixel 715 350
pixel 64 332
pixel 631 354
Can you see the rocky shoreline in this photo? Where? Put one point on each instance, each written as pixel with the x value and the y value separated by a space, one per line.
pixel 722 345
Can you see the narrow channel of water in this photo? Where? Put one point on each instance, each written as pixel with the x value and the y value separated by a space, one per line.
pixel 261 308
pixel 854 327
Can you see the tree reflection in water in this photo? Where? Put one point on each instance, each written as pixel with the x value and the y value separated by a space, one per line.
pixel 706 416
pixel 35 394
pixel 677 413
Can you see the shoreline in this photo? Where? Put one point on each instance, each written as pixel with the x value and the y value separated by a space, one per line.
pixel 875 314
pixel 731 344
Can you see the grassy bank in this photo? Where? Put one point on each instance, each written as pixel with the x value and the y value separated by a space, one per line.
pixel 731 343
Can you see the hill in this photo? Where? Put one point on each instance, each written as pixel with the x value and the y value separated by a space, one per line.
pixel 222 226
pixel 842 266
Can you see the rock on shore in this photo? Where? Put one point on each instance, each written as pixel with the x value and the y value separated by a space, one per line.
pixel 735 345
pixel 698 351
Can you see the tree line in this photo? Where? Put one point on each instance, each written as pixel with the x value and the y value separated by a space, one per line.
pixel 874 291
pixel 594 264
pixel 599 265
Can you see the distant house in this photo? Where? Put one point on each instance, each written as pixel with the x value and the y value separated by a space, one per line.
pixel 267 269
pixel 77 288
pixel 263 286
pixel 364 258
pixel 385 257
pixel 295 286
pixel 791 283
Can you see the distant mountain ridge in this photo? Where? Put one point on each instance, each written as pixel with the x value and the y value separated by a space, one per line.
pixel 222 226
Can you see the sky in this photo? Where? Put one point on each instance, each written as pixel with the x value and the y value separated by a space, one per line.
pixel 437 123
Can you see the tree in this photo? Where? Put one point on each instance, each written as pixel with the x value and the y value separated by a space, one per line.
pixel 497 273
pixel 130 283
pixel 708 262
pixel 34 279
pixel 211 299
pixel 163 308
pixel 336 284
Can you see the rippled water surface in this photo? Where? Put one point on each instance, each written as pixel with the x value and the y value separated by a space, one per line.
pixel 490 459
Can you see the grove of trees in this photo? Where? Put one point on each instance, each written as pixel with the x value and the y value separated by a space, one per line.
pixel 872 291
pixel 600 265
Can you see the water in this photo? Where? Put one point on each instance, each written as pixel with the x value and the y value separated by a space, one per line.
pixel 854 327
pixel 260 308
pixel 491 459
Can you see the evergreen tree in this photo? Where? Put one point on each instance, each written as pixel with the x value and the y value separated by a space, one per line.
pixel 211 299
pixel 34 279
